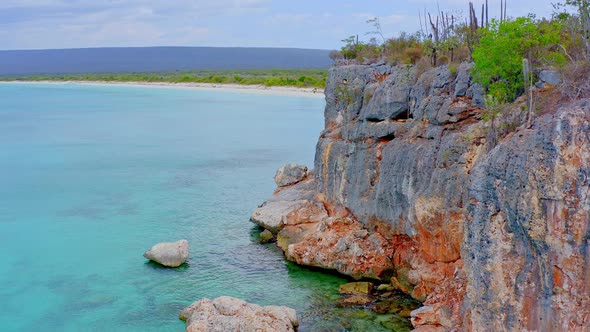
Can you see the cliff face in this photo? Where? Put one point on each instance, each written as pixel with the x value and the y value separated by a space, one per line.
pixel 527 236
pixel 408 190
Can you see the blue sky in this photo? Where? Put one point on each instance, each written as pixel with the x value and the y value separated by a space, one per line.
pixel 39 24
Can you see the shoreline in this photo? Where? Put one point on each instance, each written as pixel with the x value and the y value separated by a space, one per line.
pixel 250 89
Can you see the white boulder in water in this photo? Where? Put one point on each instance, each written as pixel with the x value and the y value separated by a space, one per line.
pixel 170 254
pixel 230 314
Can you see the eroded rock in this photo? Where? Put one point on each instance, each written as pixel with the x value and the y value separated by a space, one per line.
pixel 231 314
pixel 290 174
pixel 334 246
pixel 290 205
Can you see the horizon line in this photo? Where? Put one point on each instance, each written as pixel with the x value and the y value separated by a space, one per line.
pixel 127 47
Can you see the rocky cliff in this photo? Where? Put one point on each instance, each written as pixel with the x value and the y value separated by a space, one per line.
pixel 410 189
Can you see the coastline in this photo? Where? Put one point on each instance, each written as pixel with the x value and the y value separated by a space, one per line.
pixel 251 89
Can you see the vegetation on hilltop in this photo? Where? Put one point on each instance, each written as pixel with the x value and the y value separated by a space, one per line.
pixel 313 78
pixel 508 52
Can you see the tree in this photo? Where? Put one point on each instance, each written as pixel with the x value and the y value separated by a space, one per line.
pixel 579 24
pixel 376 24
pixel 350 48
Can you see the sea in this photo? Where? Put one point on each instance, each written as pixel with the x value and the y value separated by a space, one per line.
pixel 92 176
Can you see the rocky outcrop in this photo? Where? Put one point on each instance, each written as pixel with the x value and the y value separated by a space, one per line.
pixel 290 174
pixel 288 206
pixel 230 314
pixel 410 190
pixel 170 254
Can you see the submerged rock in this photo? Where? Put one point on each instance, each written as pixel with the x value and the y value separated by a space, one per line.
pixel 354 300
pixel 290 174
pixel 170 254
pixel 400 304
pixel 231 314
pixel 361 287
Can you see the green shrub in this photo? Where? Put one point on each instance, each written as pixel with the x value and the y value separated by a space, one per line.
pixel 503 45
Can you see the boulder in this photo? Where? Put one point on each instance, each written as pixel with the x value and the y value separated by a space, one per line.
pixel 266 236
pixel 463 79
pixel 290 174
pixel 550 76
pixel 231 314
pixel 170 254
pixel 289 205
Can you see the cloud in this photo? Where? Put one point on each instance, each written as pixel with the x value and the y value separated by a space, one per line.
pixel 291 19
pixel 301 23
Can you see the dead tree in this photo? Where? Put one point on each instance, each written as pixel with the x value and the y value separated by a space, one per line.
pixel 436 38
pixel 502 11
pixel 487 21
pixel 472 28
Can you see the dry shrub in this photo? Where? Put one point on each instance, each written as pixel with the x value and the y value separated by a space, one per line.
pixel 369 53
pixel 422 66
pixel 442 60
pixel 335 55
pixel 462 54
pixel 575 80
pixel 395 49
pixel 413 54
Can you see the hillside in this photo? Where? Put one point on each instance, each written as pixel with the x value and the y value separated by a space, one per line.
pixel 151 59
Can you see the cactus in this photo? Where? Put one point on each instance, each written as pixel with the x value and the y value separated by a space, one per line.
pixel 526 71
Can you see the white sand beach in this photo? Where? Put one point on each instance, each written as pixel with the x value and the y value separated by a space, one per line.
pixel 252 89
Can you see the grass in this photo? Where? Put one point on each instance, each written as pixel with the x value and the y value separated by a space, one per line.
pixel 313 78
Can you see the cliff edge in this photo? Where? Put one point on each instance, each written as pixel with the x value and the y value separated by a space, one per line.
pixel 410 188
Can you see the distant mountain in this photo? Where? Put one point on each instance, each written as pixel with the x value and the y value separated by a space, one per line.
pixel 145 59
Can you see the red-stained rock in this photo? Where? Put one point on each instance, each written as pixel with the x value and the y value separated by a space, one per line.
pixel 490 236
pixel 342 244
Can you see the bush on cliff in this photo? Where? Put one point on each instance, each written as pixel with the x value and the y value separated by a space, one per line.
pixel 501 48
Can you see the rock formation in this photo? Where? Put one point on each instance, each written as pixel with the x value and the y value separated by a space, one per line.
pixel 409 187
pixel 170 254
pixel 230 314
pixel 290 174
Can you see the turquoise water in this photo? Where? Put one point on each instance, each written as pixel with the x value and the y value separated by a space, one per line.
pixel 92 176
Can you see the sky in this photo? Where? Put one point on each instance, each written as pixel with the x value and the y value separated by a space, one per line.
pixel 319 24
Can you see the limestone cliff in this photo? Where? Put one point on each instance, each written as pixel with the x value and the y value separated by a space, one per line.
pixel 409 189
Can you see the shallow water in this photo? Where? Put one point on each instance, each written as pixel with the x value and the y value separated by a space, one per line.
pixel 92 176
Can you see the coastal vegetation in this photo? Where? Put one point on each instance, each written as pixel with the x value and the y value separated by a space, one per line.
pixel 507 51
pixel 312 78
